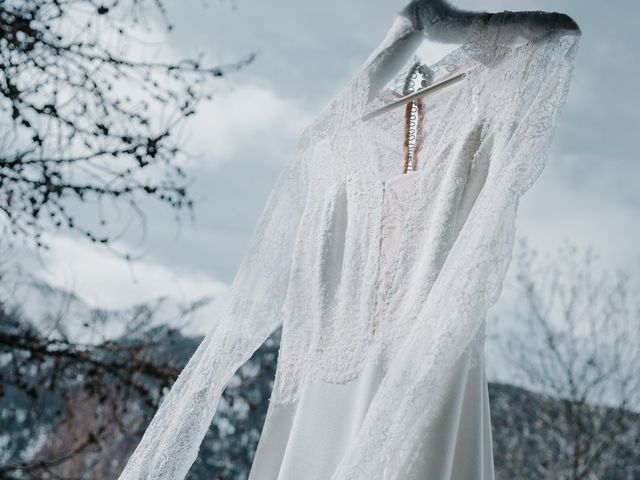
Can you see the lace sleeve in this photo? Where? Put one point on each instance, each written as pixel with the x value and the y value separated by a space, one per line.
pixel 520 100
pixel 252 311
pixel 521 114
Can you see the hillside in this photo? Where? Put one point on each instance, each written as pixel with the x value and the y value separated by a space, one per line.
pixel 529 440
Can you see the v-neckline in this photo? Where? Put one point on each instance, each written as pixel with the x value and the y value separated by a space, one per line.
pixel 453 61
pixel 395 178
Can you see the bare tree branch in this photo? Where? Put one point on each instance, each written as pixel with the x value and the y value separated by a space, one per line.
pixel 579 343
pixel 84 119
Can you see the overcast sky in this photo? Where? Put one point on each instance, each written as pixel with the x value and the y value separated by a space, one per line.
pixel 306 51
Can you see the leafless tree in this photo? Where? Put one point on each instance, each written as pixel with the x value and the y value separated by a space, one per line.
pixel 577 340
pixel 64 402
pixel 86 117
pixel 89 119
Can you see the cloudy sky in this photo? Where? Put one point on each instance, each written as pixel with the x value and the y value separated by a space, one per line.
pixel 306 51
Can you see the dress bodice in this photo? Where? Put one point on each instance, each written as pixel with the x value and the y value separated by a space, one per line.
pixel 309 438
pixel 397 194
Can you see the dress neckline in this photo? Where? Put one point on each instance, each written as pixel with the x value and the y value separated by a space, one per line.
pixel 401 176
pixel 450 62
pixel 458 59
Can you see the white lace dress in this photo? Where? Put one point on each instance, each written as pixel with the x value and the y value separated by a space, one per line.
pixel 360 393
pixel 307 440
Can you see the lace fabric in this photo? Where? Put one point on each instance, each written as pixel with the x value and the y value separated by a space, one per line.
pixel 314 256
pixel 397 193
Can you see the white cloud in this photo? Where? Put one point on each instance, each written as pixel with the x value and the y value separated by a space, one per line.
pixel 103 280
pixel 246 119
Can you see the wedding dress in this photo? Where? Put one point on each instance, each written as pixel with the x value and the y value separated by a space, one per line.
pixel 306 440
pixel 381 282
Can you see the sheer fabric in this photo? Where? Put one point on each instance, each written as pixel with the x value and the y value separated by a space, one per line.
pixel 306 439
pixel 313 261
